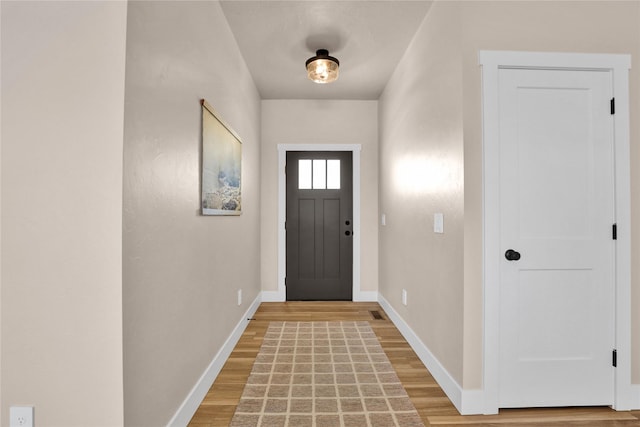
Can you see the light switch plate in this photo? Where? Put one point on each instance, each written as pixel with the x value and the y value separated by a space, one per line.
pixel 383 219
pixel 438 223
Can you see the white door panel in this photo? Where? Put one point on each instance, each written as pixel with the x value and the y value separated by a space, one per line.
pixel 556 210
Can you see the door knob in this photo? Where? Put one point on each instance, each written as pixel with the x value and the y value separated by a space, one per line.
pixel 512 255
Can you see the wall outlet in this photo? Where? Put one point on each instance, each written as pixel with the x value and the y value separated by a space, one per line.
pixel 239 296
pixel 404 297
pixel 21 416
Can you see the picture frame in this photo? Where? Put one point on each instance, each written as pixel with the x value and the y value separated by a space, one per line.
pixel 221 165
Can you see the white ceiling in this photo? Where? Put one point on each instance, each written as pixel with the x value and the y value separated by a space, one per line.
pixel 367 36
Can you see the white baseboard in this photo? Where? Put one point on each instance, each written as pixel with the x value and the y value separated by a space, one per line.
pixel 365 296
pixel 190 405
pixel 273 296
pixel 472 403
pixel 467 402
pixel 362 296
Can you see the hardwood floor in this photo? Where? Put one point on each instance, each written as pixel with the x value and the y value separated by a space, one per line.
pixel 434 407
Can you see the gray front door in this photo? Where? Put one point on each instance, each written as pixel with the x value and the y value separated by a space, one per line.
pixel 319 225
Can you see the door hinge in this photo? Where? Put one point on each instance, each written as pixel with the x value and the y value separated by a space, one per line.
pixel 285 281
pixel 614 358
pixel 614 231
pixel 613 106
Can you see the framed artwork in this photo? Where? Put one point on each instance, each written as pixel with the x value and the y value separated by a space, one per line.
pixel 221 166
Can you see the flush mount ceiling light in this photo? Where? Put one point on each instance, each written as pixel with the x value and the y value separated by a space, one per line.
pixel 322 68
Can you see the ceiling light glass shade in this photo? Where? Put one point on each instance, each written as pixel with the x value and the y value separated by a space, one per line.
pixel 322 68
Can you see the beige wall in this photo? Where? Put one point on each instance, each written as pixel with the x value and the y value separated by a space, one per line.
pixel 439 77
pixel 421 173
pixel 320 122
pixel 63 68
pixel 182 271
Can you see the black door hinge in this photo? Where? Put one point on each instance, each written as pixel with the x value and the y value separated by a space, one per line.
pixel 614 358
pixel 613 105
pixel 614 231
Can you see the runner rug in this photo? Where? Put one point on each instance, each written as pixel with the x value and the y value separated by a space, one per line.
pixel 323 374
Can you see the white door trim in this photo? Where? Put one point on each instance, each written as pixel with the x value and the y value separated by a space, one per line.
pixel 281 294
pixel 619 65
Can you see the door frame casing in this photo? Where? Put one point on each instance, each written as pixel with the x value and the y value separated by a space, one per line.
pixel 619 65
pixel 280 294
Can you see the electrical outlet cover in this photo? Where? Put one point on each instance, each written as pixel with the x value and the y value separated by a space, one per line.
pixel 438 223
pixel 21 416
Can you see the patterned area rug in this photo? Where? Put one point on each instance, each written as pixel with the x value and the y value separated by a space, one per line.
pixel 323 374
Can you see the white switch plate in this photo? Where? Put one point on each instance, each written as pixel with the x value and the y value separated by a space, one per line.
pixel 239 296
pixel 21 416
pixel 383 219
pixel 404 297
pixel 438 223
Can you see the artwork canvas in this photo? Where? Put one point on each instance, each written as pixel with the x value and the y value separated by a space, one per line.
pixel 221 166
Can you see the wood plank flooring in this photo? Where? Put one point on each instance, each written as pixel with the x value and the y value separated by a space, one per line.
pixel 434 407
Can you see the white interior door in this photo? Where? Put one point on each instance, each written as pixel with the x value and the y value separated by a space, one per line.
pixel 556 211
